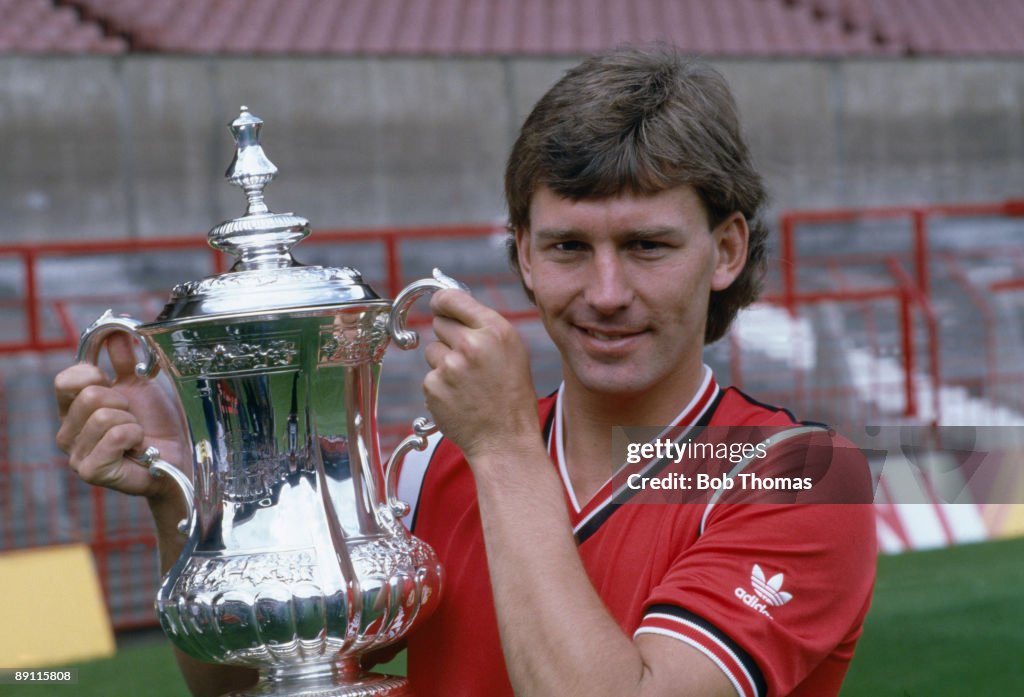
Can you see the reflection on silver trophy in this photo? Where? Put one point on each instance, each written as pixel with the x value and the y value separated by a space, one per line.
pixel 296 561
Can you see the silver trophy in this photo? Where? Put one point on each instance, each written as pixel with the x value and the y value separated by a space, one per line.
pixel 296 561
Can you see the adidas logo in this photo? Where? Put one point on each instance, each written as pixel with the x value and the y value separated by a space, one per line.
pixel 769 590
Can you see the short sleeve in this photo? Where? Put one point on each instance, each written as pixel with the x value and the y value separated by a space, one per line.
pixel 775 592
pixel 412 474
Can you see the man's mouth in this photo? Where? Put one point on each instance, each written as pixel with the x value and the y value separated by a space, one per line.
pixel 609 335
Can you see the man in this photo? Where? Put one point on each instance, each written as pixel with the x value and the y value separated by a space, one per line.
pixel 634 210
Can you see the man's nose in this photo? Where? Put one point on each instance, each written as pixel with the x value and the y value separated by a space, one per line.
pixel 608 289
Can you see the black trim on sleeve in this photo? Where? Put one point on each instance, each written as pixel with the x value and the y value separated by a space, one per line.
pixel 744 658
pixel 423 485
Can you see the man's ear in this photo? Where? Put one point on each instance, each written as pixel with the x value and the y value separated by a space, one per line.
pixel 730 239
pixel 522 242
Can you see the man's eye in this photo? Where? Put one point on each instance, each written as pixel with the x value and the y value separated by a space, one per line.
pixel 569 246
pixel 647 245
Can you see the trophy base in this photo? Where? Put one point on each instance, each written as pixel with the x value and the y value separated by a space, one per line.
pixel 363 685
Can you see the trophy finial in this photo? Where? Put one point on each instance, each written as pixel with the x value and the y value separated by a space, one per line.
pixel 260 238
pixel 251 169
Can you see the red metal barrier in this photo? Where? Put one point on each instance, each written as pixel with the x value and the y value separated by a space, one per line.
pixel 918 215
pixel 30 254
pixel 916 289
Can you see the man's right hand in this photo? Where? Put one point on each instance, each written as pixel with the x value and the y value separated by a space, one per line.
pixel 102 419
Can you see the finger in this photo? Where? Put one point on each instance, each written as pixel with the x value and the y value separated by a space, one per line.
pixel 437 390
pixel 92 432
pixel 71 381
pixel 107 466
pixel 451 331
pixel 122 355
pixel 435 353
pixel 451 369
pixel 461 307
pixel 88 401
pixel 99 423
pixel 431 387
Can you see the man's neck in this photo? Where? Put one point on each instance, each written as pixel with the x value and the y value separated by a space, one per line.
pixel 588 419
pixel 657 406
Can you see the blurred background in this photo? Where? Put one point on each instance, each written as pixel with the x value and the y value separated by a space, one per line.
pixel 890 132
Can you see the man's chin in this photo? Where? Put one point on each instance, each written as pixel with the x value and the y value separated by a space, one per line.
pixel 612 385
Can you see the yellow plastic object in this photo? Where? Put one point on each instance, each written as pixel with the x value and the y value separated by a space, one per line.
pixel 54 612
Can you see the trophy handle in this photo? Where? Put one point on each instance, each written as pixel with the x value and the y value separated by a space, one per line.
pixel 417 440
pixel 409 339
pixel 89 345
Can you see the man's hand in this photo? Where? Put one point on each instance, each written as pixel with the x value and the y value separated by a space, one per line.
pixel 480 391
pixel 101 419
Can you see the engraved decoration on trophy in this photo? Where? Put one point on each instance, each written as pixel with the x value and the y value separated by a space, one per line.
pixel 296 563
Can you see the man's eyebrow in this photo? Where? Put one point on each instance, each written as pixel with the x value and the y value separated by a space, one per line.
pixel 650 232
pixel 559 234
pixel 556 234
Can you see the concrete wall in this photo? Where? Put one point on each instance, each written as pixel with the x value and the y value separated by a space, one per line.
pixel 137 146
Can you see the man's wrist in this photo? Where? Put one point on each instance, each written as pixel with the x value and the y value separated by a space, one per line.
pixel 505 465
pixel 166 503
pixel 499 451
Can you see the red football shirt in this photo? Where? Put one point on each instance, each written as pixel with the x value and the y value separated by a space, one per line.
pixel 772 587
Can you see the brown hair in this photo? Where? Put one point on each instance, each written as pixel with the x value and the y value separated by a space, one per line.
pixel 643 120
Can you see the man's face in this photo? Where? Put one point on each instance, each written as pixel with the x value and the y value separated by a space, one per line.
pixel 622 285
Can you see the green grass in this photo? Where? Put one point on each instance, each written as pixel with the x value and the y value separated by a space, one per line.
pixel 945 623
pixel 143 667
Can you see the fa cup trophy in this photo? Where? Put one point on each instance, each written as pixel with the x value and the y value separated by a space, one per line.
pixel 296 562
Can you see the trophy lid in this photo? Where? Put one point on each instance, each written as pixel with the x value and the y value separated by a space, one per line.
pixel 265 277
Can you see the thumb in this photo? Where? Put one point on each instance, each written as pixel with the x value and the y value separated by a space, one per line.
pixel 122 355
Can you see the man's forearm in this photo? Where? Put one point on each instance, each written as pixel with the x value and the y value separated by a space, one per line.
pixel 556 634
pixel 167 512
